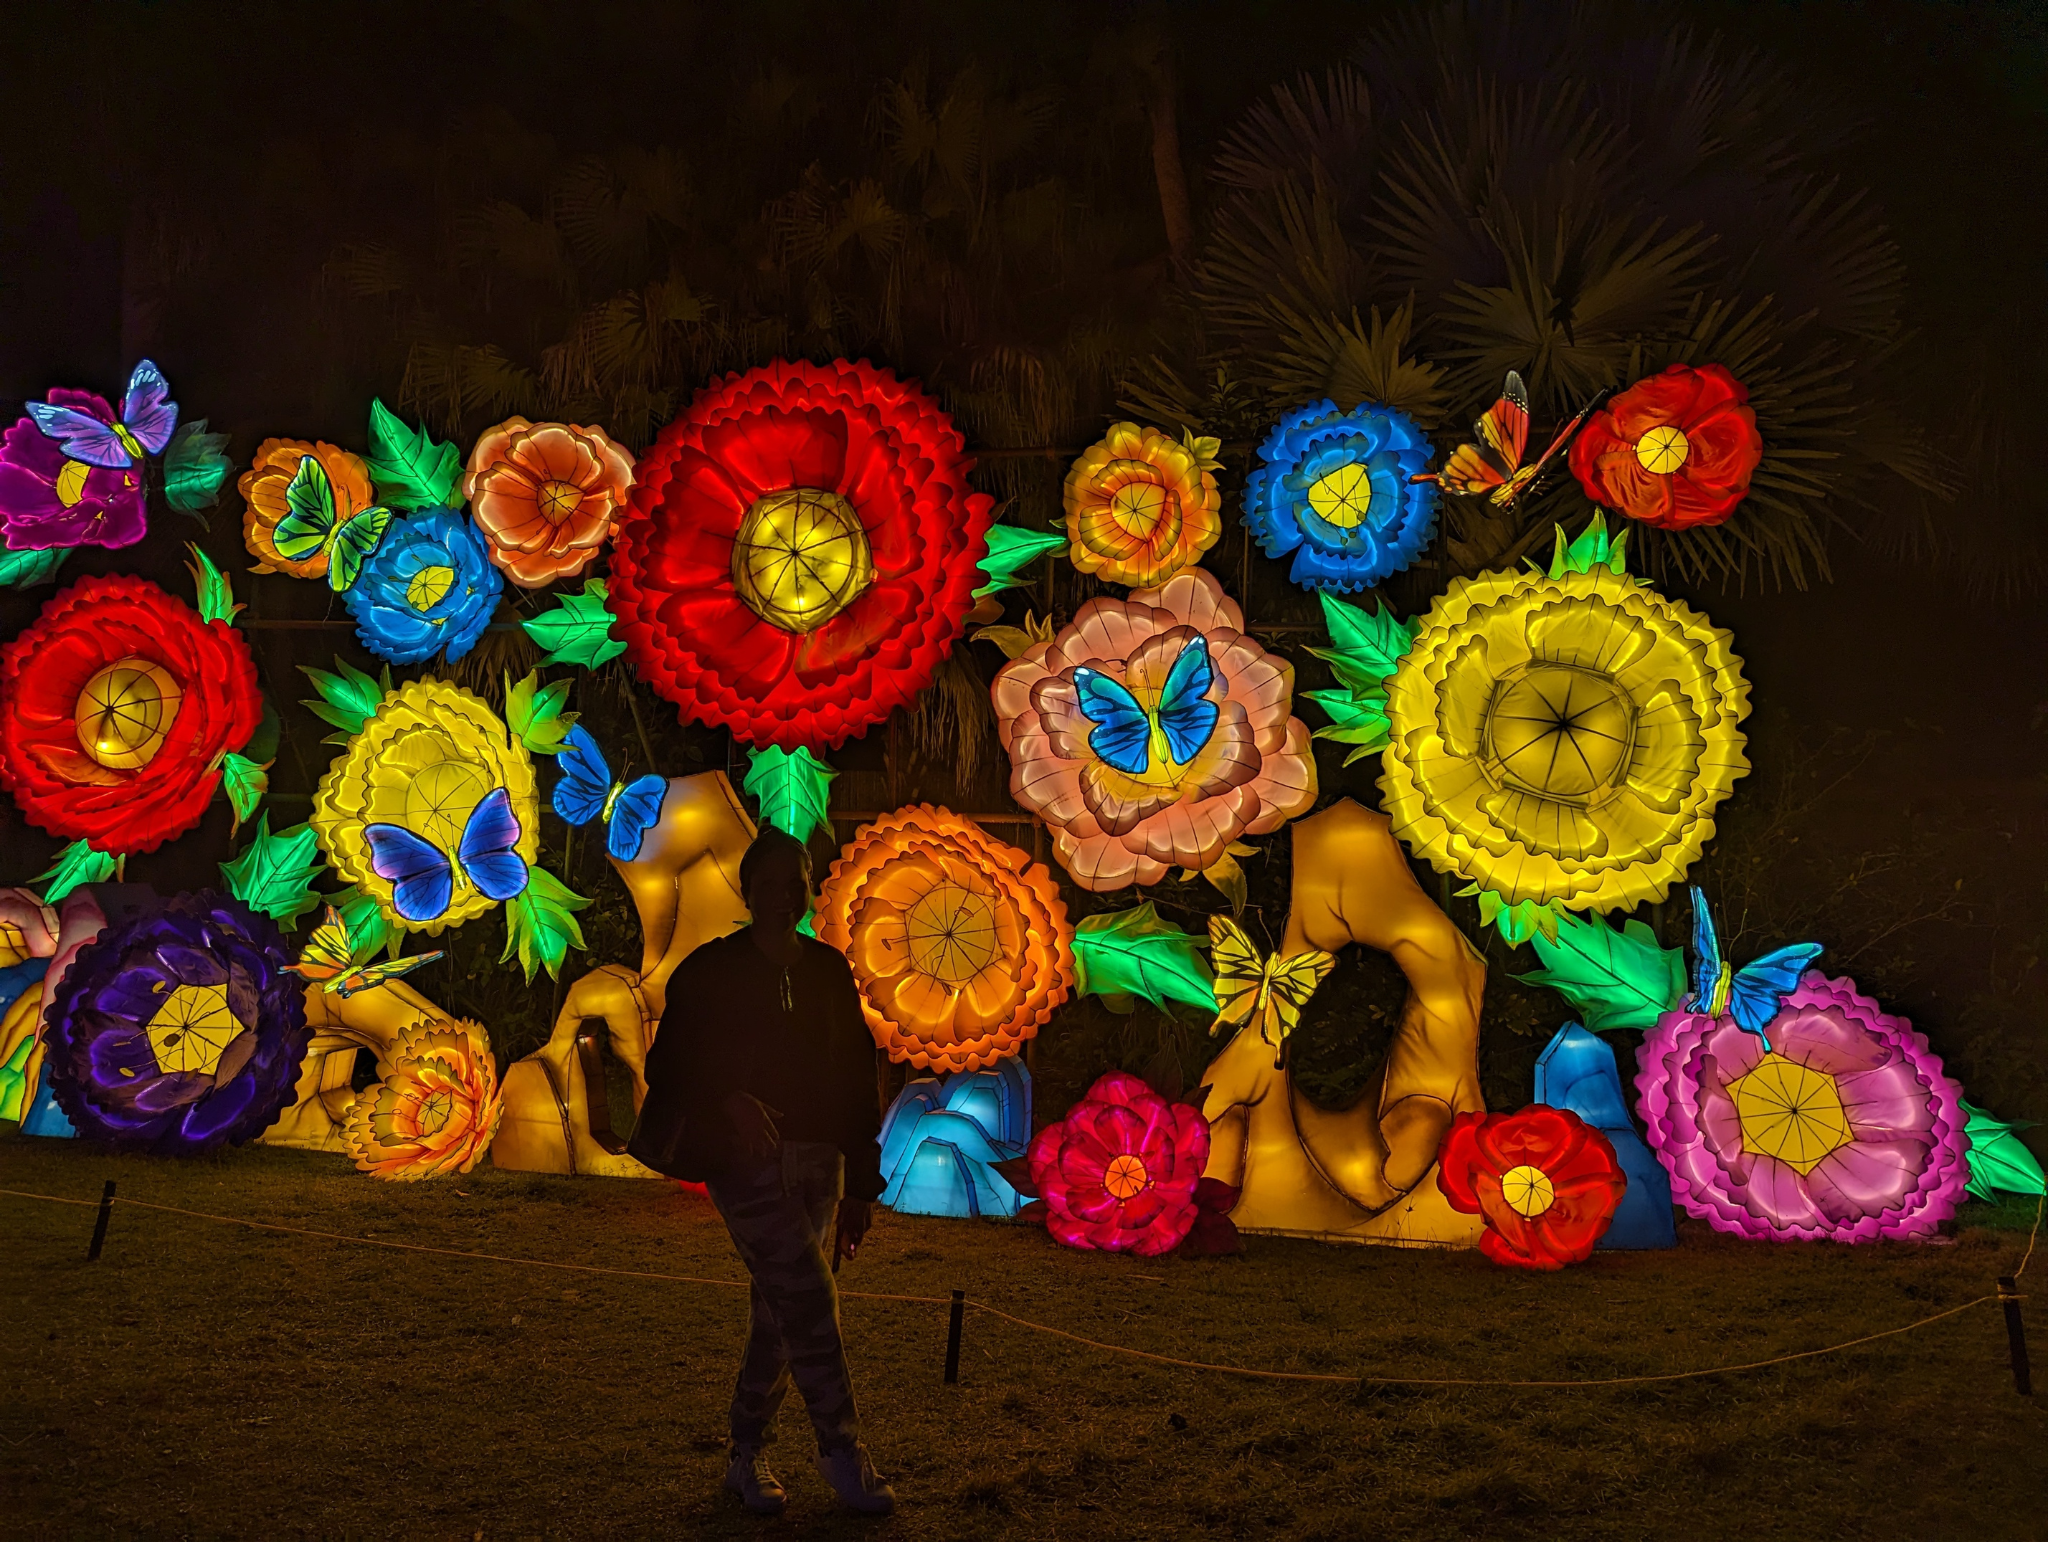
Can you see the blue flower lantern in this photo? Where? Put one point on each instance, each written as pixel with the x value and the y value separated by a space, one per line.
pixel 942 1140
pixel 429 588
pixel 1334 489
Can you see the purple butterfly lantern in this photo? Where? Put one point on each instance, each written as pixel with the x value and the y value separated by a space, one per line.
pixel 179 1029
pixel 71 472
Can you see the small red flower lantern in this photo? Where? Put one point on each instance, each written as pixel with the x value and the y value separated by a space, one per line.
pixel 1119 1172
pixel 1545 1182
pixel 1674 451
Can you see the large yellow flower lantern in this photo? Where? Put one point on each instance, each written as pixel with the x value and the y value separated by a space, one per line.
pixel 959 942
pixel 410 811
pixel 1561 739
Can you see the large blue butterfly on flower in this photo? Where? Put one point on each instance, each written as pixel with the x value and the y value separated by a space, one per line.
pixel 423 877
pixel 587 791
pixel 1132 738
pixel 1752 994
pixel 148 419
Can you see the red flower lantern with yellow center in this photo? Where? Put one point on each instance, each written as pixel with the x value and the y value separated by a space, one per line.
pixel 800 552
pixel 1675 451
pixel 116 709
pixel 959 942
pixel 1545 1182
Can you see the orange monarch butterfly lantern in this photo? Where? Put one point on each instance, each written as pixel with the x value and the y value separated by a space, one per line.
pixel 959 942
pixel 1493 466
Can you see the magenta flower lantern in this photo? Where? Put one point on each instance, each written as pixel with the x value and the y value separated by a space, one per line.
pixel 50 500
pixel 1119 1172
pixel 1844 1128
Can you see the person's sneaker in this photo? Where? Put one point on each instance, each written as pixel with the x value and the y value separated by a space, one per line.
pixel 854 1479
pixel 748 1476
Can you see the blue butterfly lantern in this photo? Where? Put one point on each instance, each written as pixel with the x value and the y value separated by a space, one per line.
pixel 1752 994
pixel 423 877
pixel 587 791
pixel 942 1139
pixel 428 588
pixel 1577 1073
pixel 1336 489
pixel 1133 739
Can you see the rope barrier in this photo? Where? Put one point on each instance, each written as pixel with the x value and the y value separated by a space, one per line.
pixel 2012 1298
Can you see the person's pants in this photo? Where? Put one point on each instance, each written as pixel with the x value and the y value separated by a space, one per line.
pixel 782 1216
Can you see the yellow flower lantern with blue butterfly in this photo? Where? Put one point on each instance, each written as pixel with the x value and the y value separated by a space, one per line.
pixel 433 810
pixel 1151 732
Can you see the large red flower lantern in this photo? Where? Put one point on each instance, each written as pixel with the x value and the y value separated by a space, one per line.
pixel 800 552
pixel 116 708
pixel 1675 450
pixel 1119 1172
pixel 959 942
pixel 1545 1182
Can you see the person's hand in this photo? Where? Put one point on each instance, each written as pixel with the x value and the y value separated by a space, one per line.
pixel 854 1217
pixel 753 1127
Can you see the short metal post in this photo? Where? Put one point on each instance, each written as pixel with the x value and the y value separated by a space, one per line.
pixel 99 1226
pixel 959 1311
pixel 2015 1334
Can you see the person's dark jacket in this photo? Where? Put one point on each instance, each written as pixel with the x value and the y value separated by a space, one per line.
pixel 726 1029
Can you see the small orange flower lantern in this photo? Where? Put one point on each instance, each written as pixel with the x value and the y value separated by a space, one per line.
pixel 547 496
pixel 263 488
pixel 1142 505
pixel 959 942
pixel 436 1110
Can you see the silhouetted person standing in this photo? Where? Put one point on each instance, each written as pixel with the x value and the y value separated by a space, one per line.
pixel 761 1083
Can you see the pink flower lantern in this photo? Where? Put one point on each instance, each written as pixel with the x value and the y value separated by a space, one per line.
pixel 1119 1172
pixel 1843 1128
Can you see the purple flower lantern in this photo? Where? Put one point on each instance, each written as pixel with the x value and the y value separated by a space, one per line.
pixel 48 499
pixel 178 1030
pixel 1843 1128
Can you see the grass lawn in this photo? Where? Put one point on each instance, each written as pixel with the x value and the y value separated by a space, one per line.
pixel 208 1380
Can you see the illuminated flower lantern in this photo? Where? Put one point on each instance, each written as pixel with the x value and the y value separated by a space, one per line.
pixel 959 942
pixel 1119 1172
pixel 429 588
pixel 263 488
pixel 432 810
pixel 1676 450
pixel 435 1111
pixel 800 552
pixel 547 496
pixel 1562 739
pixel 1545 1182
pixel 1151 732
pixel 178 1030
pixel 1142 505
pixel 116 708
pixel 49 499
pixel 1334 490
pixel 1836 1122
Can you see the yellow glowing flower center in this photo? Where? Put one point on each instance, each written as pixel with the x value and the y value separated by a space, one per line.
pixel 192 1028
pixel 1125 1177
pixel 429 587
pixel 71 482
pixel 1790 1111
pixel 952 934
pixel 434 1112
pixel 1663 449
pixel 1561 732
pixel 800 558
pixel 440 799
pixel 1527 1190
pixel 125 711
pixel 558 500
pixel 1143 510
pixel 1344 497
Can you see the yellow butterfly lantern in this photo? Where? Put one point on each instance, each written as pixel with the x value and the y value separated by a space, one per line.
pixel 328 961
pixel 1266 993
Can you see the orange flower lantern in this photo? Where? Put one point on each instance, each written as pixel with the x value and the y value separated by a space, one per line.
pixel 437 1109
pixel 1142 505
pixel 959 942
pixel 263 497
pixel 546 496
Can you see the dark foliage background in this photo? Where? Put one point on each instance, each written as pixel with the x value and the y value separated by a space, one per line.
pixel 1055 214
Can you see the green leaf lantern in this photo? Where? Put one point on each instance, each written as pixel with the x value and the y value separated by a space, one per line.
pixel 1365 649
pixel 348 699
pixel 541 925
pixel 1137 953
pixel 26 569
pixel 76 864
pixel 534 714
pixel 1614 979
pixel 275 874
pixel 793 789
pixel 578 630
pixel 1998 1158
pixel 409 470
pixel 1011 550
pixel 195 467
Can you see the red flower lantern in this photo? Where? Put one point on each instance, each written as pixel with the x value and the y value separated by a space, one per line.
pixel 1119 1172
pixel 800 552
pixel 1545 1182
pixel 115 709
pixel 1675 450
